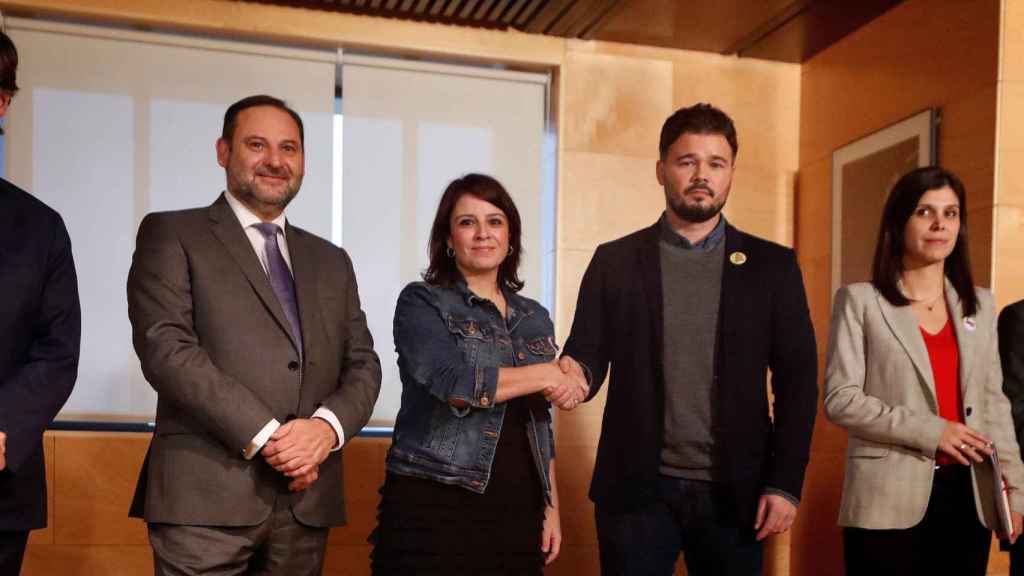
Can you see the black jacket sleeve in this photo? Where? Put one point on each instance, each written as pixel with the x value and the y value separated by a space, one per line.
pixel 33 394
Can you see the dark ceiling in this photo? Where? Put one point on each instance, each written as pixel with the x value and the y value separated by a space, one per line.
pixel 783 30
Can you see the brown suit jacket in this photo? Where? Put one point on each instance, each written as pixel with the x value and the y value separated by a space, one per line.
pixel 879 386
pixel 213 342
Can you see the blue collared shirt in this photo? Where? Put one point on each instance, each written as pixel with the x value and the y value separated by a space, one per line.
pixel 708 243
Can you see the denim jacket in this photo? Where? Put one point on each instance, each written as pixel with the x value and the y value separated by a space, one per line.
pixel 450 345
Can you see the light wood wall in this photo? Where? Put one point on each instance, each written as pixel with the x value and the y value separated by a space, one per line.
pixel 610 100
pixel 920 54
pixel 1008 238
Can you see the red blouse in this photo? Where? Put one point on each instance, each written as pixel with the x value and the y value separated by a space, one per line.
pixel 945 359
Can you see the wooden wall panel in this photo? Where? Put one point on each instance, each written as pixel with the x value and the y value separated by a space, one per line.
pixel 94 480
pixel 922 53
pixel 1008 259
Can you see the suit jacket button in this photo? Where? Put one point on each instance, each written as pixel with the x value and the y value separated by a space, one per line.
pixel 968 410
pixel 293 365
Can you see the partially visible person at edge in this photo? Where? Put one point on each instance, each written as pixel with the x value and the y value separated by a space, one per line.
pixel 1011 354
pixel 913 375
pixel 691 314
pixel 40 332
pixel 470 485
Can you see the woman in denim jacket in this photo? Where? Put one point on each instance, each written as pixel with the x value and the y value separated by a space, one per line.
pixel 470 485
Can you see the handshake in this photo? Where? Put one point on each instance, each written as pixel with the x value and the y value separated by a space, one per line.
pixel 568 386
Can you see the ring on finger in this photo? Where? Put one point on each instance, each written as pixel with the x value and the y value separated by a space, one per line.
pixel 964 446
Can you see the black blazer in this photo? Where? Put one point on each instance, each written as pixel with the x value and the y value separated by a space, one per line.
pixel 764 324
pixel 40 326
pixel 1011 356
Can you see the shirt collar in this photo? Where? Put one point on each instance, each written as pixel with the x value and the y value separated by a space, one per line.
pixel 513 301
pixel 246 217
pixel 709 242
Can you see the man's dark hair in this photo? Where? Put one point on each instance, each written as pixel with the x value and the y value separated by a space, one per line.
pixel 888 262
pixel 697 119
pixel 442 270
pixel 8 65
pixel 231 116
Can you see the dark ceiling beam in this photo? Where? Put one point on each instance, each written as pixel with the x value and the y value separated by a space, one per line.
pixel 513 11
pixel 550 12
pixel 435 8
pixel 768 27
pixel 451 8
pixel 482 9
pixel 467 9
pixel 499 9
pixel 526 14
pixel 579 17
pixel 614 8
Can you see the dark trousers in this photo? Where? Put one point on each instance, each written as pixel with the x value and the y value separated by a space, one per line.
pixel 279 546
pixel 12 550
pixel 1017 557
pixel 690 516
pixel 949 539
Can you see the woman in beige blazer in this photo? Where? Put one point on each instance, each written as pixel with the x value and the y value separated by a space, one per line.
pixel 913 375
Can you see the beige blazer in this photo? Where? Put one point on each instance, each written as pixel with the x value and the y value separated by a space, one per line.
pixel 879 387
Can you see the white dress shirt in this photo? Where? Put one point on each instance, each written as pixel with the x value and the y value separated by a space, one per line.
pixel 248 221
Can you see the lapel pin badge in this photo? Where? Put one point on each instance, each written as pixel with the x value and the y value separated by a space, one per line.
pixel 970 324
pixel 737 258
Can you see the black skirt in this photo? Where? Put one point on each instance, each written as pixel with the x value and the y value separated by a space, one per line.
pixel 426 527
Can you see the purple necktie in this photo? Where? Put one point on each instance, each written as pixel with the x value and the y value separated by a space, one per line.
pixel 281 278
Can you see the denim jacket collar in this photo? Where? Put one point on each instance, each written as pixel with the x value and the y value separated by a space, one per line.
pixel 516 304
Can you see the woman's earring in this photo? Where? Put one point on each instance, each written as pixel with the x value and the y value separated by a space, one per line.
pixel 510 250
pixel 449 252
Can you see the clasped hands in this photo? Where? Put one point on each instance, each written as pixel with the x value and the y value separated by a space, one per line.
pixel 569 386
pixel 297 448
pixel 3 451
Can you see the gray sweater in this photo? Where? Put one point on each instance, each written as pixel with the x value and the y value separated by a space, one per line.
pixel 691 278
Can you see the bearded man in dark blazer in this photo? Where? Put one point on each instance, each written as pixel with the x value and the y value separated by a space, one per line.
pixel 691 314
pixel 40 331
pixel 250 330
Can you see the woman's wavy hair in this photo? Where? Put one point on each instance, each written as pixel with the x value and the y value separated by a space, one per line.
pixel 888 262
pixel 442 270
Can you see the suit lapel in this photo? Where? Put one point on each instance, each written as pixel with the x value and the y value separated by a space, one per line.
pixel 226 228
pixel 905 327
pixel 304 271
pixel 734 287
pixel 967 335
pixel 650 270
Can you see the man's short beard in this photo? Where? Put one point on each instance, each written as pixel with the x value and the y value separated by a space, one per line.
pixel 696 214
pixel 245 192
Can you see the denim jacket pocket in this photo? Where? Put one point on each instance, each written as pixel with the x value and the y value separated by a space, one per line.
pixel 543 346
pixel 470 334
pixel 443 434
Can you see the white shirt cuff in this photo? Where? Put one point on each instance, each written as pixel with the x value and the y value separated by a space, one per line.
pixel 260 439
pixel 327 415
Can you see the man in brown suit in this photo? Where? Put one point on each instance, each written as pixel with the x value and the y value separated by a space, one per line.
pixel 251 332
